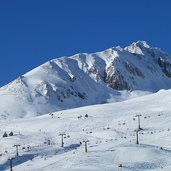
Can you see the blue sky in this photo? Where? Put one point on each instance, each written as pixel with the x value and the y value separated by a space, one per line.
pixel 35 31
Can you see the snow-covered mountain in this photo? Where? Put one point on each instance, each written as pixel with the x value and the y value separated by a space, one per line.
pixel 84 79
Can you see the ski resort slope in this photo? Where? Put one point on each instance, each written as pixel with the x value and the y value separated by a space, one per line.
pixel 109 129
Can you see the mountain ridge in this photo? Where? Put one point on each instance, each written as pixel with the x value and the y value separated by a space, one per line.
pixel 87 79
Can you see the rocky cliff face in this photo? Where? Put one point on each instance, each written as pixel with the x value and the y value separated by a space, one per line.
pixel 85 79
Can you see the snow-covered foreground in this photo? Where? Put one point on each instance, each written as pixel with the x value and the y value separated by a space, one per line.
pixel 109 129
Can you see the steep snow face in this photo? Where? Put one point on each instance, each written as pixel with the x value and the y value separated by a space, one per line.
pixel 86 79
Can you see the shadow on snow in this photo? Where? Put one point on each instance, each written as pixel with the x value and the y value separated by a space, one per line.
pixel 26 157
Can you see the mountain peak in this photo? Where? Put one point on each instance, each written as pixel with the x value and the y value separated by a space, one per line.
pixel 137 47
pixel 86 79
pixel 141 43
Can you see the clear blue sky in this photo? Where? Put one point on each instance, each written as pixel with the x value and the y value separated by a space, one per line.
pixel 35 31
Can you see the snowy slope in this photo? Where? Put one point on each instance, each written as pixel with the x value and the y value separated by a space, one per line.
pixel 84 79
pixel 109 129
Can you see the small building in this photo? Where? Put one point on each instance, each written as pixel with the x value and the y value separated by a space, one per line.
pixel 11 133
pixel 5 135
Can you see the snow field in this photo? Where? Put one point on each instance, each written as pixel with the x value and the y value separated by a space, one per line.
pixel 109 129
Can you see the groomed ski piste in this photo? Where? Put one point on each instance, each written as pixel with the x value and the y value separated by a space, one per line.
pixel 109 130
